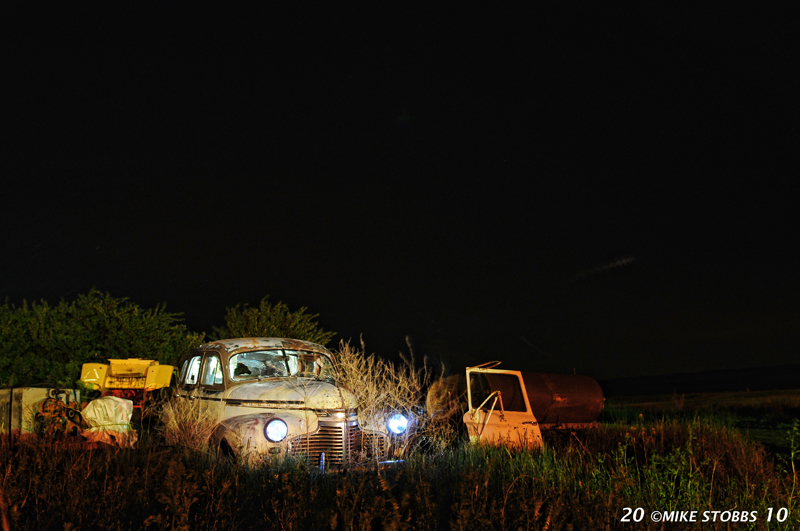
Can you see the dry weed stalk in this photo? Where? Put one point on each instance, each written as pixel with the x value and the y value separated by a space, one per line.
pixel 185 423
pixel 380 387
pixel 383 388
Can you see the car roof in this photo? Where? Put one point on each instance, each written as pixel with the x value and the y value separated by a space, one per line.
pixel 234 346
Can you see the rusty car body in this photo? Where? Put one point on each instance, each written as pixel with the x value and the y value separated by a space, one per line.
pixel 275 397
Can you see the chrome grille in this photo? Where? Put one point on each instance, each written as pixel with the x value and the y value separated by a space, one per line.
pixel 360 446
pixel 329 439
pixel 363 446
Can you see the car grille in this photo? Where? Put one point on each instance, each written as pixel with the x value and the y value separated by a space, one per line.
pixel 330 439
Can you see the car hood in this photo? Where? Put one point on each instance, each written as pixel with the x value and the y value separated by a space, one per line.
pixel 292 393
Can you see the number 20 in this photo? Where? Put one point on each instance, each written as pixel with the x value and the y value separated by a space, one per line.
pixel 638 514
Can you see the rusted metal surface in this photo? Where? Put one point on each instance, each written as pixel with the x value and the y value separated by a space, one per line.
pixel 342 443
pixel 554 398
pixel 21 417
pixel 58 417
pixel 234 346
pixel 562 398
pixel 287 394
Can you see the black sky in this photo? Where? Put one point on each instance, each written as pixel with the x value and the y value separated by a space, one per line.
pixel 609 192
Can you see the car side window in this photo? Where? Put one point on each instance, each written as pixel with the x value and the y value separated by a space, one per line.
pixel 192 371
pixel 212 371
pixel 183 371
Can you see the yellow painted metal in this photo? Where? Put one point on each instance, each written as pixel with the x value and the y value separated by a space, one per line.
pixel 158 376
pixel 128 374
pixel 93 375
pixel 131 373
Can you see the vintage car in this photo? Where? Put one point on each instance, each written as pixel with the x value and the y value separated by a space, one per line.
pixel 280 397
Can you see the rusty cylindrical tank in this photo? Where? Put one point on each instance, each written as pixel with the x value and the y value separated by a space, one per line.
pixel 554 398
pixel 563 398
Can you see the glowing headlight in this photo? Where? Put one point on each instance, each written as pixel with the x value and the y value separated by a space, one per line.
pixel 276 430
pixel 397 424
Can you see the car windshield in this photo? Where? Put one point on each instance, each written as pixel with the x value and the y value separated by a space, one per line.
pixel 280 364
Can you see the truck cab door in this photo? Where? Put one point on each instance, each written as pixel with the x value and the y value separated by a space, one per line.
pixel 499 411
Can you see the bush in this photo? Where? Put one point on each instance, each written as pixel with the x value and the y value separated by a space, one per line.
pixel 45 344
pixel 271 320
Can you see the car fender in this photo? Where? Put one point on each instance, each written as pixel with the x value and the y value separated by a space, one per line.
pixel 247 431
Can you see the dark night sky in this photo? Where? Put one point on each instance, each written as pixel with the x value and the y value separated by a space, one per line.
pixel 610 192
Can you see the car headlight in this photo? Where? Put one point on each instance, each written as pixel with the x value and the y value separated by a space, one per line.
pixel 276 430
pixel 397 424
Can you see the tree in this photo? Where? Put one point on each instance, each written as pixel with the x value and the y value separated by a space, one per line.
pixel 45 344
pixel 271 320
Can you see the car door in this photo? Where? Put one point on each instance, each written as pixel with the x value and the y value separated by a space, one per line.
pixel 499 411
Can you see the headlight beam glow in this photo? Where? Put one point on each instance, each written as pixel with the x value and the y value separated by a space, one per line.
pixel 397 424
pixel 276 430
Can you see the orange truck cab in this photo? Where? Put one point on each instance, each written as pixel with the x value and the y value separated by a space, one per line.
pixel 515 408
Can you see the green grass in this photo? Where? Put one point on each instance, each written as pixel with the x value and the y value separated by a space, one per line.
pixel 765 416
pixel 692 461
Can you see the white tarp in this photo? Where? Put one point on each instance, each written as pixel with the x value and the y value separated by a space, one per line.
pixel 109 419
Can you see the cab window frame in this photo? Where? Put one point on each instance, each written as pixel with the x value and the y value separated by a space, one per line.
pixel 186 369
pixel 212 387
pixel 511 387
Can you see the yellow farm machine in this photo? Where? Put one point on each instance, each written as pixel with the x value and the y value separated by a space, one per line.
pixel 134 379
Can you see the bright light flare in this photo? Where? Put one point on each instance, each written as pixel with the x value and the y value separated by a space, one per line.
pixel 276 430
pixel 397 424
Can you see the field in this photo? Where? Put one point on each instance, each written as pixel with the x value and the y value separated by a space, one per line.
pixel 731 453
pixel 765 416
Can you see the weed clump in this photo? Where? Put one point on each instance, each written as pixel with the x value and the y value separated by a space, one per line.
pixel 383 388
pixel 185 424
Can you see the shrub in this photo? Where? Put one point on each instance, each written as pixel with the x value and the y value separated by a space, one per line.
pixel 271 320
pixel 44 344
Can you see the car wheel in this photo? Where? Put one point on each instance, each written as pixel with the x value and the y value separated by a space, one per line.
pixel 224 452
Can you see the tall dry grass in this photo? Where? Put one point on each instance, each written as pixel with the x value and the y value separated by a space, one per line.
pixel 186 424
pixel 383 388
